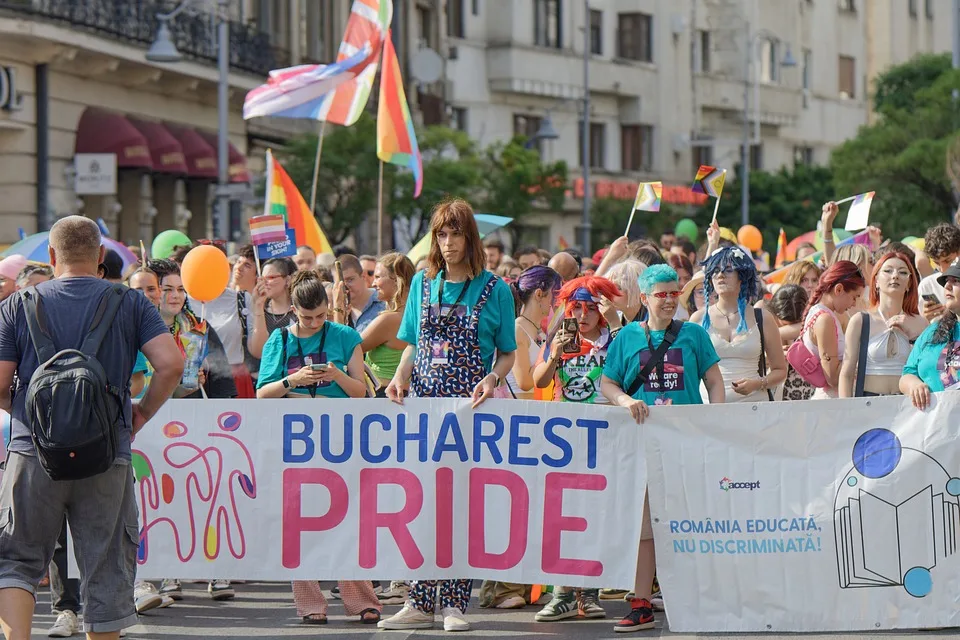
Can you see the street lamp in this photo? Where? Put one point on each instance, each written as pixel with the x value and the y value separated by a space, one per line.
pixel 163 50
pixel 750 82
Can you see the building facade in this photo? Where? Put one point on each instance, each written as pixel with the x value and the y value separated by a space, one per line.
pixel 674 82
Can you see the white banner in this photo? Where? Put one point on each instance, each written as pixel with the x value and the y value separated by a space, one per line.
pixel 807 516
pixel 528 492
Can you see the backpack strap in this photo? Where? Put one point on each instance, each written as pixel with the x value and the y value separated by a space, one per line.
pixel 862 361
pixel 658 355
pixel 283 349
pixel 103 319
pixel 762 366
pixel 36 324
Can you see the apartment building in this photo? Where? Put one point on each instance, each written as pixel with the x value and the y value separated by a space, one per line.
pixel 74 80
pixel 667 82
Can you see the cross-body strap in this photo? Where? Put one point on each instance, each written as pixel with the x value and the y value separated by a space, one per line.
pixel 37 324
pixel 762 367
pixel 283 349
pixel 862 361
pixel 103 319
pixel 669 337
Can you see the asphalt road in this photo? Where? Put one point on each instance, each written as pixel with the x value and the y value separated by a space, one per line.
pixel 265 610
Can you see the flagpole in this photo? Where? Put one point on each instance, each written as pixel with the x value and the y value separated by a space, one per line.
pixel 316 168
pixel 629 222
pixel 380 212
pixel 716 207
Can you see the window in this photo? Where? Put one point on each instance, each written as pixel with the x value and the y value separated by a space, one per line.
pixel 702 155
pixel 928 9
pixel 912 8
pixel 802 156
pixel 596 32
pixel 528 126
pixel 756 157
pixel 546 23
pixel 598 147
pixel 769 62
pixel 701 56
pixel 455 18
pixel 636 147
pixel 458 118
pixel 848 77
pixel 635 37
pixel 807 68
pixel 847 6
pixel 475 7
pixel 425 26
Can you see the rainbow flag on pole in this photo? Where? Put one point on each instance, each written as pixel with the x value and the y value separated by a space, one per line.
pixel 284 199
pixel 709 181
pixel 396 139
pixel 781 258
pixel 648 196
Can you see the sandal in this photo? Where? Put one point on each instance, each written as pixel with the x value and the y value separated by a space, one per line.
pixel 314 618
pixel 370 620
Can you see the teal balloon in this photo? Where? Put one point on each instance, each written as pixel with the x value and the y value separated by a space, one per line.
pixel 688 229
pixel 165 242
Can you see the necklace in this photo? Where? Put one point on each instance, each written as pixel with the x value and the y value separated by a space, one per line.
pixel 726 316
pixel 535 326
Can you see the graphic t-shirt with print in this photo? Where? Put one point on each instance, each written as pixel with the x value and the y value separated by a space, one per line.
pixel 578 375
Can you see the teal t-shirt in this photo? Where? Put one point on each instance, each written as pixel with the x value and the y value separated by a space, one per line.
pixel 938 365
pixel 337 349
pixel 497 318
pixel 685 363
pixel 142 366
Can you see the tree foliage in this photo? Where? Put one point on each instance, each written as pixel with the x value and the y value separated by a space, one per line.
pixel 903 156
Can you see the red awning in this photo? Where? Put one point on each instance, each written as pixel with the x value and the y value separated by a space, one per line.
pixel 101 131
pixel 238 161
pixel 201 157
pixel 166 151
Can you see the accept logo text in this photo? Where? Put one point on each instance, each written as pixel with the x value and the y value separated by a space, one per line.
pixel 727 484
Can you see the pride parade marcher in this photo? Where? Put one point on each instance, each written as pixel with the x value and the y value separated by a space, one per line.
pixel 787 306
pixel 658 362
pixel 355 304
pixel 888 329
pixel 459 325
pixel 942 245
pixel 318 357
pixel 271 303
pixel 10 268
pixel 391 281
pixel 746 338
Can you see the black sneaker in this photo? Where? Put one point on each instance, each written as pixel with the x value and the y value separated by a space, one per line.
pixel 335 592
pixel 639 618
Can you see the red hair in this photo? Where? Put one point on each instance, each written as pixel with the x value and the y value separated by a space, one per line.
pixel 911 299
pixel 598 288
pixel 844 273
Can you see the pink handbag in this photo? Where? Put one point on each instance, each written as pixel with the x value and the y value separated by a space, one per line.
pixel 804 362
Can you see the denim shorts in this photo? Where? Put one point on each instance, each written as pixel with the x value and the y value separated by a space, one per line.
pixel 102 514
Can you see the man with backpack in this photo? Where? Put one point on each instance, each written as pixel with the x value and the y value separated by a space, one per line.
pixel 70 344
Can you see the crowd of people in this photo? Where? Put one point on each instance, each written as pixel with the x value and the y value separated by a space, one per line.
pixel 639 325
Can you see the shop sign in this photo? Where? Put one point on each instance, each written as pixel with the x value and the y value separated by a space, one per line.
pixel 96 174
pixel 627 190
pixel 10 98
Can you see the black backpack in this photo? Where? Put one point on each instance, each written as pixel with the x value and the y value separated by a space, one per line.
pixel 72 410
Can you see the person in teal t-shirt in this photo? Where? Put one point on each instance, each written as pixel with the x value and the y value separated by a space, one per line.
pixel 315 356
pixel 934 362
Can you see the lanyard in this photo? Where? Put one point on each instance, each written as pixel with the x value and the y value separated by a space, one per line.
pixel 660 368
pixel 466 285
pixel 323 340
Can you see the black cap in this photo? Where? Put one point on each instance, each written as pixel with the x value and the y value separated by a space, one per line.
pixel 112 265
pixel 953 271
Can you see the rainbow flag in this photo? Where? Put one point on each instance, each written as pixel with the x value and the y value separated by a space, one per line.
pixel 562 243
pixel 709 181
pixel 368 24
pixel 396 139
pixel 284 199
pixel 781 258
pixel 266 229
pixel 648 196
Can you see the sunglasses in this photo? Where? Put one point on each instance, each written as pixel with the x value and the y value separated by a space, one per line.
pixel 663 295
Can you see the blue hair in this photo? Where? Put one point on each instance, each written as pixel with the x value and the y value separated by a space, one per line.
pixel 656 274
pixel 740 261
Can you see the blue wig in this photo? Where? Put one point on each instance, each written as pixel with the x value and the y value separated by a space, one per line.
pixel 740 261
pixel 656 274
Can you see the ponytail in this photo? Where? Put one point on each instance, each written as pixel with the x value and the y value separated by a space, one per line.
pixel 843 273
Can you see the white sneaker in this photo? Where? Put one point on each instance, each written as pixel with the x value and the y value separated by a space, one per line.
pixel 167 601
pixel 396 593
pixel 145 597
pixel 220 590
pixel 453 620
pixel 513 602
pixel 65 626
pixel 408 618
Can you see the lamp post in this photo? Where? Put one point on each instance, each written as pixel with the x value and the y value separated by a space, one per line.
pixel 750 82
pixel 163 50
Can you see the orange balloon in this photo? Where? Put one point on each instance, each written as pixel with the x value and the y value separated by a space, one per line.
pixel 205 273
pixel 750 237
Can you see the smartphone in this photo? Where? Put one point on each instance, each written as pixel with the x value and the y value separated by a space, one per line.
pixel 572 328
pixel 319 367
pixel 931 298
pixel 339 268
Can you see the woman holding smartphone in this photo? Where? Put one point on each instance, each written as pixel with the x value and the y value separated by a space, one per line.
pixel 317 357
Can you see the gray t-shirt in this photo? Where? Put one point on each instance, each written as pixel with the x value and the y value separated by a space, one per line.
pixel 69 306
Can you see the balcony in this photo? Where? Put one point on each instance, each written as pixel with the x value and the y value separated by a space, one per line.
pixel 779 105
pixel 135 22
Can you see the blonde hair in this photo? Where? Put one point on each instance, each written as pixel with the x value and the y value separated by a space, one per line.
pixel 626 276
pixel 400 267
pixel 457 214
pixel 858 254
pixel 799 270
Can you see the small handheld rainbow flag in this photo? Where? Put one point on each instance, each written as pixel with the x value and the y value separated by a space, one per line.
pixel 709 181
pixel 781 258
pixel 858 216
pixel 266 229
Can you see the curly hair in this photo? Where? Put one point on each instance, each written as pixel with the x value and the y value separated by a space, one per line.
pixel 736 258
pixel 942 240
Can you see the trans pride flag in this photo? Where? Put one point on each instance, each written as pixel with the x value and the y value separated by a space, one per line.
pixel 396 139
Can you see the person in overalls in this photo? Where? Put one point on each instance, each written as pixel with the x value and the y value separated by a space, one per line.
pixel 459 324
